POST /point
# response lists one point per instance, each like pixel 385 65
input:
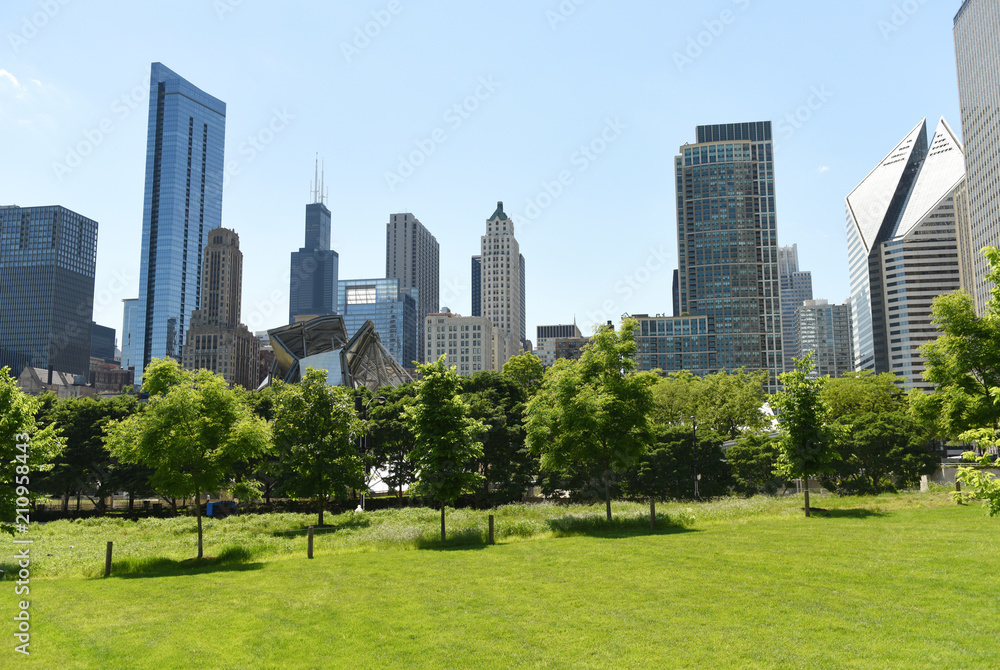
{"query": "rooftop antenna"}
pixel 322 181
pixel 314 187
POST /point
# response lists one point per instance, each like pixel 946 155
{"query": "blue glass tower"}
pixel 391 309
pixel 185 147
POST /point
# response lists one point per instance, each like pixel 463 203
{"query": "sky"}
pixel 568 111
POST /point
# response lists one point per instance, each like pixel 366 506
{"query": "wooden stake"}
pixel 652 514
pixel 310 541
pixel 491 529
pixel 107 561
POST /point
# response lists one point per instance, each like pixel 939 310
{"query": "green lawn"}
pixel 896 582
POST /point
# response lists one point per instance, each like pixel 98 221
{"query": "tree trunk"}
pixel 322 504
pixel 806 482
pixel 197 500
pixel 131 501
pixel 78 501
pixel 442 522
pixel 607 495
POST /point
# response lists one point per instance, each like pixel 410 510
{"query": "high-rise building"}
pixel 728 245
pixel 391 309
pixel 312 289
pixel 477 276
pixel 977 50
pixel 131 326
pixel 824 330
pixel 796 288
pixel 102 342
pixel 185 147
pixel 468 342
pixel 545 340
pixel 902 250
pixel 217 341
pixel 412 256
pixel 501 289
pixel 673 344
pixel 47 260
pixel 524 323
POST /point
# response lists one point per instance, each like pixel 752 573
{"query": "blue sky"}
pixel 570 112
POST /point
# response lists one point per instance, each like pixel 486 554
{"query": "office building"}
pixel 501 287
pixel 102 343
pixel 523 332
pixel 217 341
pixel 47 260
pixel 477 275
pixel 469 343
pixel 185 147
pixel 903 251
pixel 824 330
pixel 315 266
pixel 412 256
pixel 570 348
pixel 977 50
pixel 728 247
pixel 545 340
pixel 796 288
pixel 131 325
pixel 673 344
pixel 393 311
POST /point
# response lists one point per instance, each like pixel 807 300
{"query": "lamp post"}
pixel 694 437
pixel 363 438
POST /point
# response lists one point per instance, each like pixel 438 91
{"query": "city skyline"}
pixel 511 130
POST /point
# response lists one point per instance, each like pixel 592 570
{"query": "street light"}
pixel 694 436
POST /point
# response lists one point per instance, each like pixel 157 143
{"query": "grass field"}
pixel 903 581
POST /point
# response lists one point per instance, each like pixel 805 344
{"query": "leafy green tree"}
pixel 25 451
pixel 594 411
pixel 983 485
pixel 315 430
pixel 753 461
pixel 859 393
pixel 806 442
pixel 525 370
pixel 878 452
pixel 498 401
pixel 730 403
pixel 667 471
pixel 447 437
pixel 390 439
pixel 193 434
pixel 676 399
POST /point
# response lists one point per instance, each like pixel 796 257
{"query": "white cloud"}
pixel 823 168
pixel 4 74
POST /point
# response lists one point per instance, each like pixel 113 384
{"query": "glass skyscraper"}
pixel 185 146
pixel 314 268
pixel 412 255
pixel 47 259
pixel 393 311
pixel 728 245
pixel 477 281
pixel 977 51
pixel 796 288
pixel 903 251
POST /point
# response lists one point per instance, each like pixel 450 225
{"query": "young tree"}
pixel 753 460
pixel 390 439
pixel 316 429
pixel 447 443
pixel 594 411
pixel 193 434
pixel 806 444
pixel 667 471
pixel 25 450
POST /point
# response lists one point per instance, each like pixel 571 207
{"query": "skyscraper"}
pixel 412 256
pixel 796 287
pixel 728 244
pixel 501 288
pixel 47 259
pixel 217 341
pixel 825 331
pixel 131 326
pixel 977 50
pixel 185 147
pixel 315 267
pixel 903 251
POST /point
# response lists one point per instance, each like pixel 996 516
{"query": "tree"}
pixel 667 471
pixel 594 412
pixel 498 401
pixel 730 403
pixel 315 431
pixel 984 485
pixel 525 370
pixel 25 450
pixel 858 393
pixel 806 444
pixel 390 439
pixel 193 434
pixel 753 460
pixel 447 442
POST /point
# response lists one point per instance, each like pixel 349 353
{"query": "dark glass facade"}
pixel 675 344
pixel 477 282
pixel 102 343
pixel 315 267
pixel 182 204
pixel 47 260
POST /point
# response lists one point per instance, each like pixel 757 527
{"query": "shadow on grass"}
pixel 847 513
pixel 617 528
pixel 357 522
pixel 459 540
pixel 231 559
